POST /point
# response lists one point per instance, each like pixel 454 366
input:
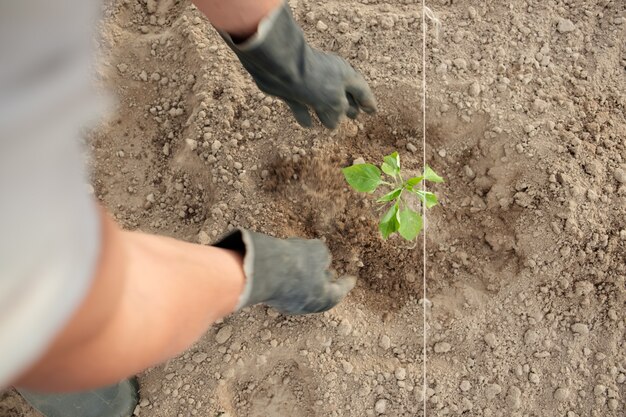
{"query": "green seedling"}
pixel 399 217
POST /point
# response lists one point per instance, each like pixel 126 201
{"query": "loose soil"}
pixel 525 269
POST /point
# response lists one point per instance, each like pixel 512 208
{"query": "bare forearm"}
pixel 172 291
pixel 236 17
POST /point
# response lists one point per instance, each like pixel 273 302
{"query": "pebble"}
pixel 565 26
pixel 204 238
pixel 474 89
pixel 513 398
pixel 400 374
pixel 460 63
pixel 410 147
pixel 344 328
pixel 223 334
pixel 580 328
pixel 321 26
pixel 491 340
pixel 199 357
pixel 193 144
pixel 347 367
pixel 465 385
pixel 381 406
pixel 216 145
pixel 442 347
pixel 561 394
pixel 620 175
pixel 492 390
pixel 358 161
pixel 384 342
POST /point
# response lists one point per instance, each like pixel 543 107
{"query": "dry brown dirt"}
pixel 526 286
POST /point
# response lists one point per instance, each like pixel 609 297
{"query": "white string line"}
pixel 424 386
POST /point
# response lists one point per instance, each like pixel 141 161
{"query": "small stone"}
pixel 387 22
pixel 381 406
pixel 199 357
pixel 565 26
pixel 620 175
pixel 193 144
pixel 321 26
pixel 344 328
pixel 474 89
pixel 400 374
pixel 534 378
pixel 491 340
pixel 540 105
pixel 599 390
pixel 216 145
pixel 492 391
pixel 460 63
pixel 513 398
pixel 166 149
pixel 471 12
pixel 223 334
pixel 580 328
pixel 170 376
pixel 358 161
pixel 411 148
pixel 204 238
pixel 465 385
pixel 122 68
pixel 384 342
pixel 441 68
pixel 347 367
pixel 442 347
pixel 561 394
pixel 143 76
pixel 238 165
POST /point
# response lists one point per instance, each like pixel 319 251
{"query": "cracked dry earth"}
pixel 525 118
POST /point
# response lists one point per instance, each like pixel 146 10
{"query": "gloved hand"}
pixel 284 65
pixel 290 275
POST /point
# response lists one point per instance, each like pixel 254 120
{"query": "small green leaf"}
pixel 427 198
pixel 389 222
pixel 412 182
pixel 390 196
pixel 363 177
pixel 430 175
pixel 391 164
pixel 410 224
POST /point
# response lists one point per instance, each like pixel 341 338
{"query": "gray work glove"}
pixel 290 275
pixel 284 65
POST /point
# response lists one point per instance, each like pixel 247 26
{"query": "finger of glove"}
pixel 330 115
pixel 337 289
pixel 301 113
pixel 353 107
pixel 361 93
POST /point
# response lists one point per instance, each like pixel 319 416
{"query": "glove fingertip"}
pixel 342 286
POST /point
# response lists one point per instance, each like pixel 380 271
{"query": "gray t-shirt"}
pixel 49 225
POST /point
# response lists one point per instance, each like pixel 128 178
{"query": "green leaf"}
pixel 430 175
pixel 391 164
pixel 390 196
pixel 363 177
pixel 412 182
pixel 410 224
pixel 427 198
pixel 389 222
